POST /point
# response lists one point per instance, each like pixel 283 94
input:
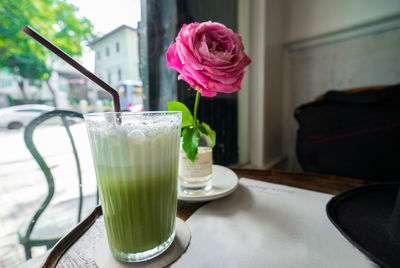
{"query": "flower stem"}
pixel 196 108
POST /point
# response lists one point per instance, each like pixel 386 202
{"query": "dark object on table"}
pixel 47 233
pixel 353 133
pixel 369 217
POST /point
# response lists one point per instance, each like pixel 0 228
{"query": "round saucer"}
pixel 224 182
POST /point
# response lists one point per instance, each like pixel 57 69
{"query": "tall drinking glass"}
pixel 136 160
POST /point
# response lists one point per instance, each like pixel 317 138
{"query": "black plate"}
pixel 363 216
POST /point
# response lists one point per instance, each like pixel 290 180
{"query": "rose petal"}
pixel 210 57
pixel 173 61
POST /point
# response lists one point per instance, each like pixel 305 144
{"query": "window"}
pixel 105 52
pixel 119 75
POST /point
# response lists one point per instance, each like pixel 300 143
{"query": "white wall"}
pixel 351 43
pixel 308 18
pixel 244 15
pixel 261 26
pixel 282 76
pixel 257 82
pixel 273 82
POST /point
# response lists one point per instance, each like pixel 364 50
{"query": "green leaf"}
pixel 187 117
pixel 202 129
pixel 184 131
pixel 206 130
pixel 190 142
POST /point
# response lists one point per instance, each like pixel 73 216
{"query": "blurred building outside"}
pixel 117 63
pixel 37 92
pixel 71 88
pixel 82 95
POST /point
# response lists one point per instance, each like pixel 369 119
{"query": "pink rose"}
pixel 210 57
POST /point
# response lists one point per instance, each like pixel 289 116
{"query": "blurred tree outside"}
pixel 54 19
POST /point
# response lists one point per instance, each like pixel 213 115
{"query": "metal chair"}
pixel 47 238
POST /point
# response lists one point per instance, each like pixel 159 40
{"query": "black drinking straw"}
pixel 53 48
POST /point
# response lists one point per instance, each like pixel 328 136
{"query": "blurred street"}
pixel 23 185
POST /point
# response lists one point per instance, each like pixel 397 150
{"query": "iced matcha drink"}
pixel 136 165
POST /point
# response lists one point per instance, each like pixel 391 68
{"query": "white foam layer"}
pixel 143 142
pixel 137 126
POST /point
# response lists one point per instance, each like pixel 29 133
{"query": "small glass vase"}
pixel 196 177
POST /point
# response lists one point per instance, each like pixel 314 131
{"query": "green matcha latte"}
pixel 136 165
